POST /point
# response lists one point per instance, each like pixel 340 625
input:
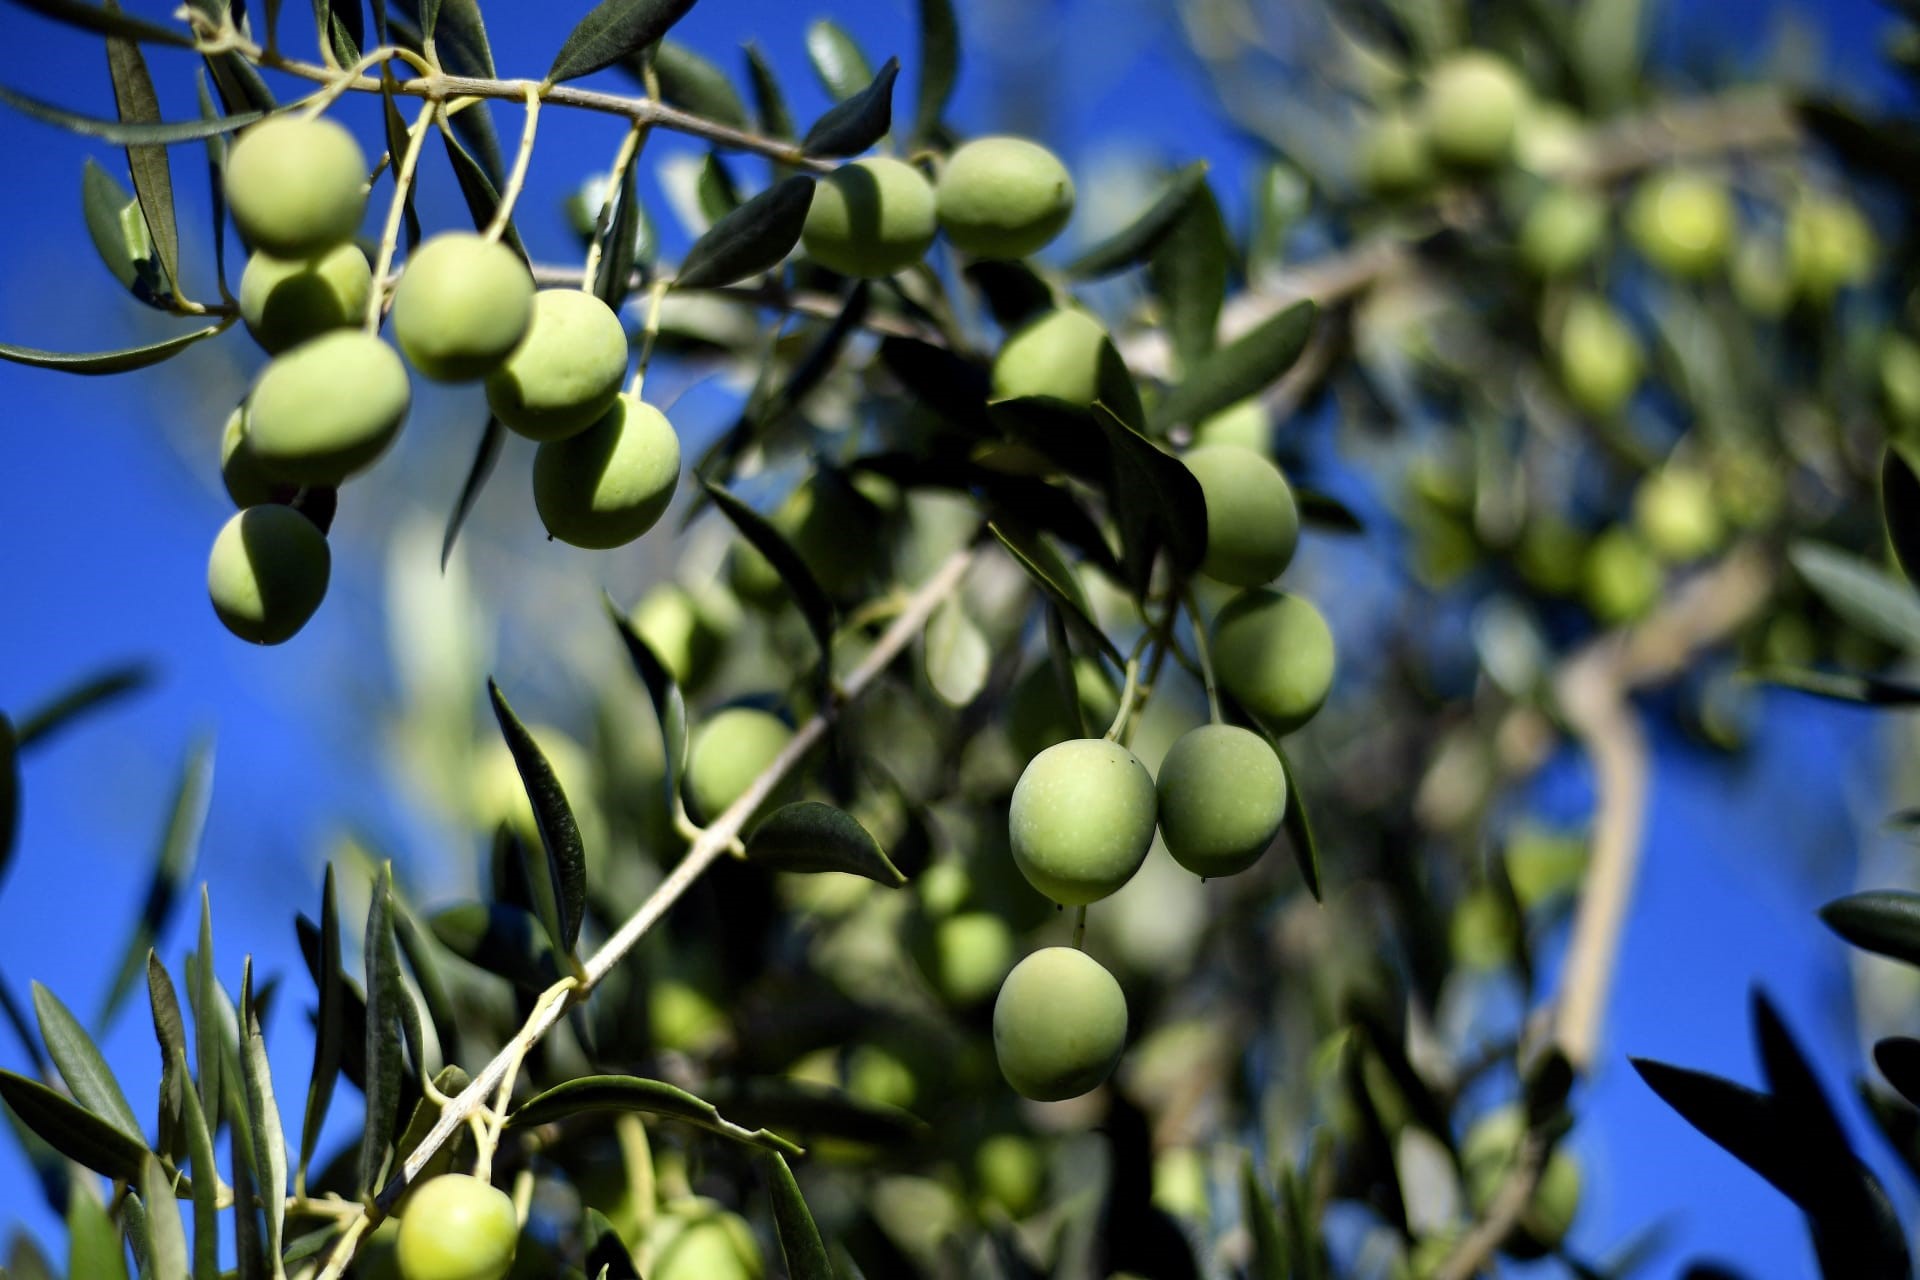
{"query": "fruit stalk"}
pixel 390 234
pixel 518 178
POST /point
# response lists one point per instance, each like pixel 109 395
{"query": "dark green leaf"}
pixel 1863 594
pixel 216 170
pixel 72 1130
pixel 172 863
pixel 1243 368
pixel 769 102
pixel 250 1249
pixel 689 81
pixel 206 1179
pixel 267 1139
pixel 566 857
pixel 612 30
pixel 852 126
pixel 1898 1058
pixel 137 103
pixel 419 951
pixel 1055 580
pixel 170 1031
pixel 1900 503
pixel 1299 828
pixel 342 29
pixel 9 792
pixel 669 705
pixel 95 362
pixel 800 1242
pixel 618 234
pixel 397 144
pixel 1737 1119
pixel 807 594
pixel 492 437
pixel 1157 502
pixel 389 1009
pixel 94 1248
pixel 958 656
pixel 458 35
pixel 120 236
pixel 329 1025
pixel 1841 686
pixel 607 1256
pixel 752 239
pixel 81 1064
pixel 1884 921
pixel 837 59
pixel 126 135
pixel 1324 511
pixel 502 939
pixel 166 1235
pixel 478 190
pixel 1189 272
pixel 1136 242
pixel 1256 1208
pixel 70 704
pixel 939 65
pixel 810 837
pixel 109 22
pixel 1014 293
pixel 589 1094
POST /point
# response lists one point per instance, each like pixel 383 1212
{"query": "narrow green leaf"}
pixel 1325 512
pixel 166 1234
pixel 342 29
pixel 483 201
pixel 418 950
pixel 385 1037
pixel 1737 1119
pixel 589 1094
pixel 958 656
pixel 1900 503
pixel 668 702
pixel 397 129
pixel 70 704
pixel 714 189
pixel 81 1064
pixel 111 22
pixel 1157 502
pixel 329 1025
pixel 607 1256
pixel 837 59
pixel 126 135
pixel 1244 367
pixel 612 30
pixel 492 438
pixel 618 233
pixel 458 35
pixel 137 103
pixel 807 593
pixel 1189 272
pixel 203 997
pixel 1263 1224
pixel 852 126
pixel 170 1031
pixel 216 165
pixel 1841 686
pixel 501 939
pixel 173 862
pixel 1056 582
pixel 821 1110
pixel 1883 921
pixel 249 1247
pixel 72 1130
pixel 1299 827
pixel 94 1249
pixel 939 66
pixel 97 362
pixel 120 235
pixel 1863 594
pixel 1136 242
pixel 811 837
pixel 770 103
pixel 9 792
pixel 754 238
pixel 25 1261
pixel 206 1180
pixel 267 1139
pixel 793 1222
pixel 689 81
pixel 566 857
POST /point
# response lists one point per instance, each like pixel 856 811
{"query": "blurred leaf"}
pixel 172 864
pixel 1299 827
pixel 126 135
pixel 852 126
pixel 1256 1209
pixel 1897 1122
pixel 81 1065
pixel 1244 367
pixel 392 1024
pixel 752 239
pixel 1189 271
pixel 837 59
pixel 1841 686
pixel 592 1094
pixel 807 593
pixel 97 362
pixel 206 1178
pixel 800 1245
pixel 501 939
pixel 939 66
pixel 668 703
pixel 1886 149
pixel 1900 502
pixel 618 235
pixel 1156 501
pixel 811 837
pixel 202 994
pixel 1136 242
pixel 166 1236
pixel 136 102
pixel 1056 582
pixel 492 437
pixel 170 1032
pixel 1898 1058
pixel 70 704
pixel 941 382
pixel 1884 921
pixel 689 81
pixel 483 200
pixel 329 1025
pixel 559 833
pixel 268 1140
pixel 775 120
pixel 1013 291
pixel 1326 512
pixel 1864 594
pixel 607 1256
pixel 111 22
pixel 94 1249
pixel 612 30
pixel 1607 36
pixel 958 656
pixel 715 190
pixel 72 1130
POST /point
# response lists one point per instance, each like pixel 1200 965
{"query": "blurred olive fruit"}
pixel 1474 107
pixel 727 753
pixel 1245 424
pixel 1601 359
pixel 1552 140
pixel 285 301
pixel 610 483
pixel 1037 711
pixel 1898 366
pixel 670 620
pixel 1274 654
pixel 1483 931
pixel 1222 796
pixel 711 1245
pixel 1253 523
pixel 1675 511
pixel 1830 246
pixel 1682 221
pixel 567 371
pixel 683 1018
pixel 247 482
pixel 457 1227
pixel 296 187
pixel 1749 487
pixel 1393 155
pixel 1760 279
pixel 1624 578
pixel 1011 1171
pixel 1003 197
pixel 879 1076
pixel 462 305
pixel 1081 820
pixel 1062 355
pixel 965 956
pixel 1552 555
pixel 871 218
pixel 1487 1156
pixel 268 573
pixel 1563 230
pixel 328 408
pixel 1059 1025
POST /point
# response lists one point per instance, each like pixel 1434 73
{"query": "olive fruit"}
pixel 1830 246
pixel 296 187
pixel 1394 160
pixel 1601 359
pixel 247 481
pixel 268 573
pixel 1253 523
pixel 1676 513
pixel 1063 355
pixel 1563 230
pixel 1475 103
pixel 1059 1025
pixel 1222 796
pixel 611 483
pixel 871 218
pixel 1487 1155
pixel 1003 197
pixel 457 1227
pixel 1273 652
pixel 462 305
pixel 285 301
pixel 1682 221
pixel 965 956
pixel 712 1246
pixel 566 373
pixel 678 630
pixel 1623 577
pixel 1759 277
pixel 1081 820
pixel 1037 712
pixel 683 1018
pixel 1244 424
pixel 727 753
pixel 328 408
pixel 1012 1172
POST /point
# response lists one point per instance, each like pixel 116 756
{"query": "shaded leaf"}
pixel 392 1024
pixel 1244 367
pixel 1898 1058
pixel 939 65
pixel 559 832
pixel 137 103
pixel 770 104
pixel 1326 512
pixel 669 705
pixel 1056 582
pixel 1014 292
pixel 1884 921
pixel 1157 503
pixel 752 239
pixel 71 1129
pixel 1841 686
pixel 492 438
pixel 477 189
pixel 70 704
pixel 126 135
pixel 1135 242
pixel 111 22
pixel 329 1025
pixel 1864 594
pixel 800 1244
pixel 852 126
pixel 502 939
pixel 398 140
pixel 591 1094
pixel 172 863
pixel 714 189
pixel 1299 827
pixel 607 1256
pixel 617 232
pixel 267 1140
pixel 1189 271
pixel 1900 503
pixel 689 81
pixel 1256 1208
pixel 837 59
pixel 612 30
pixel 958 656
pixel 81 1064
pixel 97 362
pixel 807 593
pixel 809 836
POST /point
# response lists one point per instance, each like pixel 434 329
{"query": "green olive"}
pixel 871 218
pixel 1059 1025
pixel 727 753
pixel 328 408
pixel 285 301
pixel 1675 510
pixel 268 573
pixel 1601 359
pixel 1624 578
pixel 1003 197
pixel 247 481
pixel 1830 247
pixel 1037 712
pixel 461 307
pixel 1245 424
pixel 1253 523
pixel 565 375
pixel 1487 1155
pixel 457 1227
pixel 1682 221
pixel 1563 230
pixel 1222 797
pixel 965 956
pixel 679 631
pixel 1081 820
pixel 881 1076
pixel 1064 355
pixel 1475 104
pixel 683 1018
pixel 1273 652
pixel 1012 1173
pixel 1394 160
pixel 713 1246
pixel 611 483
pixel 296 187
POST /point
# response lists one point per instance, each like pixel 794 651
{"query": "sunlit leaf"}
pixel 1244 367
pixel 612 30
pixel 714 189
pixel 137 103
pixel 591 1094
pixel 852 126
pixel 120 236
pixel 81 1064
pixel 166 1235
pixel 553 815
pixel 689 81
pixel 94 1247
pixel 72 1130
pixel 97 362
pixel 837 59
pixel 618 234
pixel 203 996
pixel 752 239
pixel 1862 593
pixel 800 1242
pixel 268 1140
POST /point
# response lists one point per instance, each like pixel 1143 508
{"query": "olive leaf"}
pixel 206 1179
pixel 800 1243
pixel 690 81
pixel 1189 271
pixel 1841 686
pixel 1157 501
pixel 120 236
pixel 618 234
pixel 165 1235
pixel 170 1032
pixel 1883 921
pixel 1299 827
pixel 957 654
pixel 1263 1222
pixel 136 102
pixel 850 127
pixel 566 887
pixel 477 189
pixel 669 705
pixel 110 22
pixel 127 135
pixel 807 593
pixel 81 1064
pixel 266 1139
pixel 329 1025
pixel 1900 503
pixel 770 104
pixel 392 1023
pixel 612 30
pixel 100 362
pixel 715 190
pixel 1242 368
pixel 1135 243
pixel 71 1129
pixel 754 238
pixel 69 705
pixel 202 997
pixel 1862 593
pixel 1056 581
pixel 590 1094
pixel 502 939
pixel 837 59
pixel 492 438
pixel 94 1247
pixel 809 836
pixel 939 65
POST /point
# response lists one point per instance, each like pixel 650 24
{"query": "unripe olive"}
pixel 1059 1025
pixel 1063 355
pixel 1563 230
pixel 462 305
pixel 1624 578
pixel 714 1246
pixel 1081 820
pixel 296 187
pixel 1682 221
pixel 1222 796
pixel 965 956
pixel 1474 105
pixel 268 573
pixel 683 1018
pixel 727 753
pixel 1037 712
pixel 871 218
pixel 880 1076
pixel 328 408
pixel 565 375
pixel 457 1227
pixel 1253 523
pixel 610 483
pixel 1552 140
pixel 1394 159
pixel 285 301
pixel 1245 424
pixel 1675 510
pixel 1830 246
pixel 247 481
pixel 1273 652
pixel 670 620
pixel 1012 1173
pixel 1487 1155
pixel 1003 197
pixel 1601 359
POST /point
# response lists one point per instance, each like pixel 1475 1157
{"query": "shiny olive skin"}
pixel 268 573
pixel 872 218
pixel 462 305
pixel 457 1227
pixel 1274 654
pixel 566 373
pixel 1223 795
pixel 1081 820
pixel 1003 197
pixel 1253 522
pixel 327 409
pixel 1059 1025
pixel 296 187
pixel 612 482
pixel 285 301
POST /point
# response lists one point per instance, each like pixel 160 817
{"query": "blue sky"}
pixel 109 496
